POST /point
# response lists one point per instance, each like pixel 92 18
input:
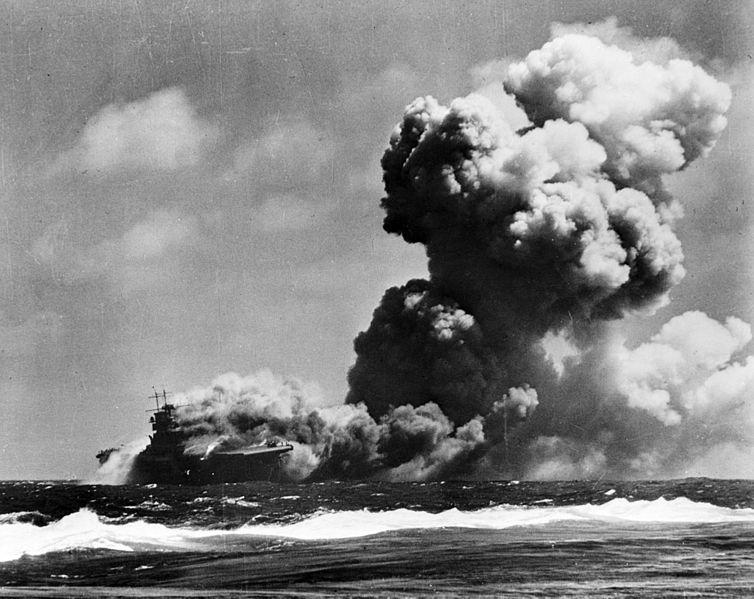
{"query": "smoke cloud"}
pixel 650 118
pixel 423 348
pixel 537 238
pixel 342 441
pixel 506 362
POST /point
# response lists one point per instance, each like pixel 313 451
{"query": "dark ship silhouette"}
pixel 164 460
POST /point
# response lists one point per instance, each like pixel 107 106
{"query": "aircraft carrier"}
pixel 165 460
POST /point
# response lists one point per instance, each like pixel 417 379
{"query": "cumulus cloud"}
pixel 286 174
pixel 161 132
pixel 292 154
pixel 159 233
pixel 138 258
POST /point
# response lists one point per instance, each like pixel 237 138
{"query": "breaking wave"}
pixel 86 530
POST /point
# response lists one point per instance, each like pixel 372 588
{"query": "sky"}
pixel 192 188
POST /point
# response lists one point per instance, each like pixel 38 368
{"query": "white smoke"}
pixel 670 376
pixel 115 470
pixel 651 118
pixel 342 441
pixel 538 236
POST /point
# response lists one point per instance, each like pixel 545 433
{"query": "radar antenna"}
pixel 157 396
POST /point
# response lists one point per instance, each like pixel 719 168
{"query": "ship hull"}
pixel 181 469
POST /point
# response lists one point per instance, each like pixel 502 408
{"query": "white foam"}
pixel 85 529
pixel 156 506
pixel 350 524
pixel 13 517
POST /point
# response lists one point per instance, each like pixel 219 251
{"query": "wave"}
pixel 86 530
pixel 34 517
pixel 155 506
pixel 349 524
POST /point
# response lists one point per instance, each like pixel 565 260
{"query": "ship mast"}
pixel 157 396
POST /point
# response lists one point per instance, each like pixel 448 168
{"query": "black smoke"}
pixel 537 238
pixel 505 362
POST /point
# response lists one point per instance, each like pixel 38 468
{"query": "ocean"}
pixel 681 538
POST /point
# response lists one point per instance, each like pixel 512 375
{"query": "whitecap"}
pixel 156 506
pixel 85 530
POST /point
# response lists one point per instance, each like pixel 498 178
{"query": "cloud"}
pixel 283 179
pixel 161 132
pixel 157 234
pixel 135 260
pixel 293 154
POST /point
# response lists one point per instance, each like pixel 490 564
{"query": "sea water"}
pixel 688 538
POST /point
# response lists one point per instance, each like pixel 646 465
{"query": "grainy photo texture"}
pixel 376 299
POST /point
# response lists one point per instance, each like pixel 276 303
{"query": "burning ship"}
pixel 165 459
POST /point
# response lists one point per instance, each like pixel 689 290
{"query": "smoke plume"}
pixel 342 441
pixel 537 238
pixel 505 362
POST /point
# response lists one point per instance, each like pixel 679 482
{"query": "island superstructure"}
pixel 165 459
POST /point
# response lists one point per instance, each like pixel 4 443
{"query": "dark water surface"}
pixel 690 538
